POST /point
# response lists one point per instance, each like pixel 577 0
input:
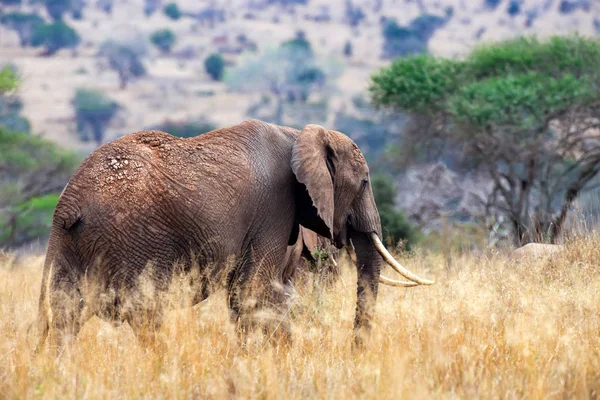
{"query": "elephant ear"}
pixel 312 165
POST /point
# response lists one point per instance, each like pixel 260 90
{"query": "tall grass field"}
pixel 491 327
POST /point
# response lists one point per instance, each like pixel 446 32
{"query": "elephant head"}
pixel 337 202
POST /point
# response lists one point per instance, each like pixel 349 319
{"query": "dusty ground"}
pixel 490 328
pixel 174 87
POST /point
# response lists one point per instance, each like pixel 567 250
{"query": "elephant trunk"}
pixel 368 266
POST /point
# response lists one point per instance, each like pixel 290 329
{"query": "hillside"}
pixel 178 88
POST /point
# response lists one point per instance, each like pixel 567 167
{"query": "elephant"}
pixel 221 208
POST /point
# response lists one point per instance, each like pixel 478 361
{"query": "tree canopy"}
pixel 522 109
pixel 54 36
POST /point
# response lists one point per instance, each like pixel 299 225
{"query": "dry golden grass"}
pixel 490 328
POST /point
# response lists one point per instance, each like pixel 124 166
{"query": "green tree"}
pixel 32 174
pixel 523 111
pixel 22 23
pixel 163 39
pixel 11 105
pixel 93 113
pixel 214 65
pixel 172 11
pixel 8 80
pixel 54 36
pixel 125 59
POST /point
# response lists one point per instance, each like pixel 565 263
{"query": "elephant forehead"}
pixel 346 145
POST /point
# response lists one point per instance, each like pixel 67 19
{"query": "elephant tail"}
pixel 44 318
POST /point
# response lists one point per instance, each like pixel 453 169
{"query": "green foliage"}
pixel 56 8
pixel 8 79
pixel 93 112
pixel 54 36
pixel 518 82
pixel 299 44
pixel 32 174
pixel 524 99
pixel 417 83
pixel 163 39
pixel 172 11
pixel 22 23
pixel 514 8
pixel 394 224
pixel 11 105
pixel 186 129
pixel 214 65
pixel 518 109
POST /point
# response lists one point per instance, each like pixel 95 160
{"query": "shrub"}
pixel 93 113
pixel 54 36
pixel 32 174
pixel 214 65
pixel 514 8
pixel 172 11
pixel 8 79
pixel 163 39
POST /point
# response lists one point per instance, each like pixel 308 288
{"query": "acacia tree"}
pixel 524 111
pixel 93 113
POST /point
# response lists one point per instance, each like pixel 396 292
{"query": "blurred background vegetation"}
pixel 480 128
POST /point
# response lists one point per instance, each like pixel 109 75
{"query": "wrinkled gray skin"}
pixel 143 203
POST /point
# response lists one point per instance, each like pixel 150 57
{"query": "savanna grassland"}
pixel 492 327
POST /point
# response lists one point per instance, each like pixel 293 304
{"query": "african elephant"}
pixel 221 207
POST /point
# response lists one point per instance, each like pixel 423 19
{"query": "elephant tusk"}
pixel 335 264
pixel 391 282
pixel 382 279
pixel 395 264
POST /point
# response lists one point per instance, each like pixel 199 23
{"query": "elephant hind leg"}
pixel 65 315
pixel 260 308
